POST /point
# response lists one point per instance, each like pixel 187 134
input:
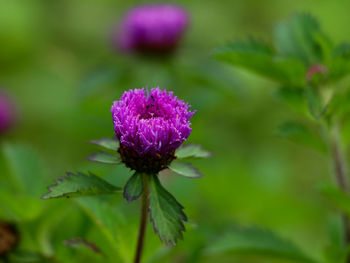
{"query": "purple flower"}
pixel 152 28
pixel 7 113
pixel 150 126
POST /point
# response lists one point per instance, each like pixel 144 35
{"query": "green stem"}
pixel 143 221
pixel 340 170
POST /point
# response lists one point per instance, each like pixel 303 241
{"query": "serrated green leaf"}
pixel 261 59
pixel 302 37
pixel 337 197
pixel 191 150
pixel 104 157
pixel 107 143
pixel 134 187
pixel 166 213
pixel 256 241
pixel 299 133
pixel 185 169
pixel 80 184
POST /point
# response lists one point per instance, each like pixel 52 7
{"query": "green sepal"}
pixel 134 187
pixel 104 157
pixel 166 214
pixel 107 143
pixel 80 184
pixel 184 169
pixel 191 150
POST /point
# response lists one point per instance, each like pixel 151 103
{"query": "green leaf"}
pixel 255 241
pixel 337 197
pixel 302 37
pixel 20 256
pixel 134 187
pixel 19 207
pixel 23 170
pixel 339 104
pixel 184 169
pixel 299 133
pixel 342 50
pixel 261 59
pixel 191 150
pixel 81 243
pixel 111 221
pixel 335 254
pixel 102 78
pixel 108 143
pixel 22 178
pixel 314 101
pixel 293 97
pixel 166 213
pixel 340 63
pixel 80 184
pixel 104 157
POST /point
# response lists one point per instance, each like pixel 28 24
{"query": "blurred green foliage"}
pixel 57 61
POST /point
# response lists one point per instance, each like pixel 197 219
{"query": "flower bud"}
pixel 7 113
pixel 152 28
pixel 150 126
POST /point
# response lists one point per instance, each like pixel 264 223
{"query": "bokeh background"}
pixel 58 63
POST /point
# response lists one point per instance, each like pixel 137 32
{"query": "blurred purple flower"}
pixel 7 113
pixel 152 28
pixel 150 125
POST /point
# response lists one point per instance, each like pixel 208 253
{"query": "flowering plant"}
pixel 150 127
pixel 308 68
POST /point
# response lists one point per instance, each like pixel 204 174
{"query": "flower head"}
pixel 152 28
pixel 7 113
pixel 150 126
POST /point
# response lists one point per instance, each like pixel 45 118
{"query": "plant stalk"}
pixel 340 170
pixel 143 220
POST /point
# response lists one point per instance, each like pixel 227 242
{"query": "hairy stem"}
pixel 340 170
pixel 143 220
